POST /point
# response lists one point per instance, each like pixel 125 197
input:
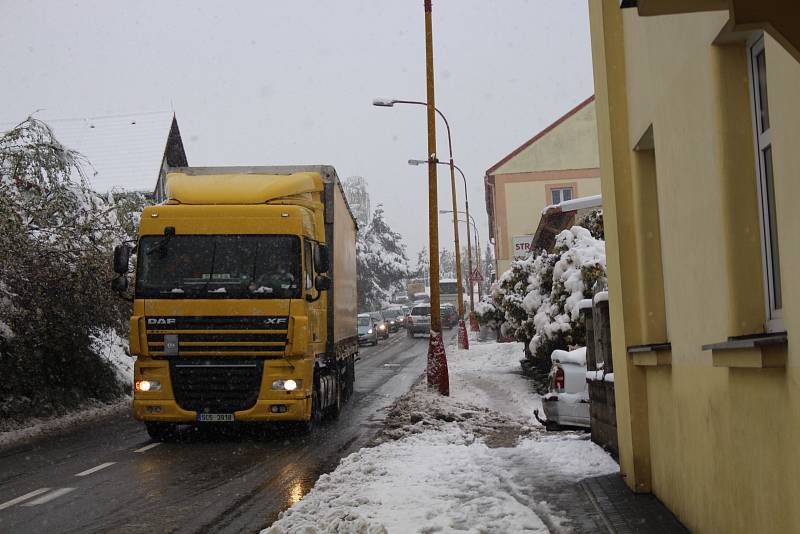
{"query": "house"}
pixel 698 122
pixel 126 151
pixel 557 164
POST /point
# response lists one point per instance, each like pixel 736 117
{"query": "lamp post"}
pixel 471 220
pixel 463 341
pixel 469 238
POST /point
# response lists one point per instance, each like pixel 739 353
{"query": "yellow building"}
pixel 698 127
pixel 559 163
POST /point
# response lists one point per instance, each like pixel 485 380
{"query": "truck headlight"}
pixel 147 385
pixel 287 385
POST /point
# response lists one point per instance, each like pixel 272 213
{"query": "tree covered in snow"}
pixel 580 262
pixel 56 238
pixel 381 263
pixel 539 295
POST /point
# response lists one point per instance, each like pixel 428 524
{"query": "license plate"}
pixel 215 417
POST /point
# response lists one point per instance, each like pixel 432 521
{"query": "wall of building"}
pixel 524 199
pixel 718 445
pixel 572 144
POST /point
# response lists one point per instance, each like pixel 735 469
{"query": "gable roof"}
pixel 125 150
pixel 539 135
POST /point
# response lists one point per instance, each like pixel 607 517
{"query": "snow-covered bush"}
pixel 581 262
pixel 487 314
pixel 56 238
pixel 539 295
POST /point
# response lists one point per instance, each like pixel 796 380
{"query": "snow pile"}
pixel 577 356
pixel 471 462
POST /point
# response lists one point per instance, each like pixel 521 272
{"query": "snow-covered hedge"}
pixel 540 295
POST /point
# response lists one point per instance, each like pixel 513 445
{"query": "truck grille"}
pixel 216 385
pixel 217 336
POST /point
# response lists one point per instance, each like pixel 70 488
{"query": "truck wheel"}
pixel 159 431
pixel 336 407
pixel 351 376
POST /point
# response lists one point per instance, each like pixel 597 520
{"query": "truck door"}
pixel 316 310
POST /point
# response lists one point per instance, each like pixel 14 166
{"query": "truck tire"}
pixel 351 376
pixel 159 431
pixel 336 408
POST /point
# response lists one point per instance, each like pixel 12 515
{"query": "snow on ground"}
pixel 32 428
pixel 476 461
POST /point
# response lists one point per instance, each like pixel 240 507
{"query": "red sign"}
pixel 476 276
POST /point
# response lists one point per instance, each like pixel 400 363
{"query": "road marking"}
pixel 12 502
pixel 391 365
pixel 55 494
pixel 148 447
pixel 95 469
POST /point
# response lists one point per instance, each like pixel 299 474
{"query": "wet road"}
pixel 108 476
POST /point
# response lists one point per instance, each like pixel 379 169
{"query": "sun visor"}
pixel 207 189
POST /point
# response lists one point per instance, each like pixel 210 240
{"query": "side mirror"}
pixel 119 284
pixel 322 283
pixel 122 256
pixel 321 259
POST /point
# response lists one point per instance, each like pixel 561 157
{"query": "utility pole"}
pixel 437 360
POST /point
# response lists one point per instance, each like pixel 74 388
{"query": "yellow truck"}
pixel 244 305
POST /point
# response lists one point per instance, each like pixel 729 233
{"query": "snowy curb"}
pixel 34 428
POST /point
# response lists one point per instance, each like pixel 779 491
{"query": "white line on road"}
pixel 95 469
pixel 148 447
pixel 55 494
pixel 12 502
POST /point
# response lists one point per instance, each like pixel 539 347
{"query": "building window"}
pixel 560 194
pixel 766 188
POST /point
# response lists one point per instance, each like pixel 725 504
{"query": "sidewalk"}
pixel 476 461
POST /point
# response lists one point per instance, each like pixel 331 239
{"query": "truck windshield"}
pixel 218 266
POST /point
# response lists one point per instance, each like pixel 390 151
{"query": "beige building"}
pixel 559 163
pixel 698 122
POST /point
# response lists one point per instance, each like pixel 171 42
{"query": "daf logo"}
pixel 276 320
pixel 160 321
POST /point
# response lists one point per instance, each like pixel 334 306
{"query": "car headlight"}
pixel 147 385
pixel 286 385
pixel 369 331
pixel 382 327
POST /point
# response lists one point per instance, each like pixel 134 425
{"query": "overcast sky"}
pixel 276 82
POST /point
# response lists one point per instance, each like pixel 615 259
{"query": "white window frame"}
pixel 762 141
pixel 560 193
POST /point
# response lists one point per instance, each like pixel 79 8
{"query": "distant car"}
pixel 449 315
pixel 394 318
pixel 367 332
pixel 567 403
pixel 419 320
pixel 421 297
pixel 381 324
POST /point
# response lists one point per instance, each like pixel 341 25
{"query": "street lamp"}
pixel 390 102
pixel 471 220
pixel 469 238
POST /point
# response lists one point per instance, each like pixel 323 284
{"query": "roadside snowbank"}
pixel 460 463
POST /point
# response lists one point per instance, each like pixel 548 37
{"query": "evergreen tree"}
pixel 382 264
